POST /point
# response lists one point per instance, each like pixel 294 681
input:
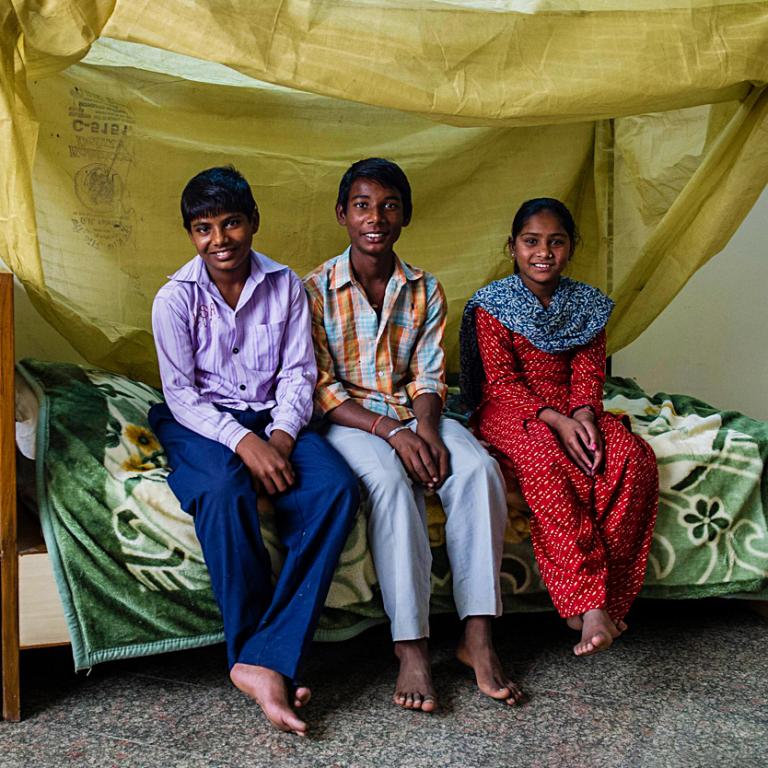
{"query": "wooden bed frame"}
pixel 31 615
pixel 9 559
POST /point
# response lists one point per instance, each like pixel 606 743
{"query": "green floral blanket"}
pixel 132 578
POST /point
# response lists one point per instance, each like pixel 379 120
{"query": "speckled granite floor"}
pixel 687 686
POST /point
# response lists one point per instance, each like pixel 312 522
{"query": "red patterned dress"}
pixel 591 535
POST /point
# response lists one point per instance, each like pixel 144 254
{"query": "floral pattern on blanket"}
pixel 157 538
pixel 132 576
pixel 712 500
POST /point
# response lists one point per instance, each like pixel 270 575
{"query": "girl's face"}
pixel 541 250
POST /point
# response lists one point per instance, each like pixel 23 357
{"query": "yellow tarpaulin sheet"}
pixel 649 119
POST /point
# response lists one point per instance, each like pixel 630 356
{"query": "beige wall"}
pixel 707 343
pixel 710 341
pixel 34 337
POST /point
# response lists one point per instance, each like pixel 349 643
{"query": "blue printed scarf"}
pixel 576 313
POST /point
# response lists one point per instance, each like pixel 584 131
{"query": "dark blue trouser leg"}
pixel 264 625
pixel 313 520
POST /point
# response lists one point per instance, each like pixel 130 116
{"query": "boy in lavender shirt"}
pixel 232 331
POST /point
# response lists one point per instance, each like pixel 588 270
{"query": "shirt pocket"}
pixel 265 340
pixel 402 340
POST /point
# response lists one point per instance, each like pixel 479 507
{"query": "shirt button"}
pixel 242 386
pixel 235 351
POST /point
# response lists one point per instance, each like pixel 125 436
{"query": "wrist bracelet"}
pixel 393 432
pixel 376 423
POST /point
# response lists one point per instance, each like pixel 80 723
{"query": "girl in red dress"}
pixel 533 366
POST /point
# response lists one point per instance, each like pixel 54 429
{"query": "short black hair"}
pixel 216 190
pixel 555 207
pixel 382 171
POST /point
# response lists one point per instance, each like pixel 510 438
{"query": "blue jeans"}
pixel 266 625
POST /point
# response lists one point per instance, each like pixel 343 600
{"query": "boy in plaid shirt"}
pixel 378 326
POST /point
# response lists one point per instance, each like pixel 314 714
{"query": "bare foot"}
pixel 597 634
pixel 476 651
pixel 414 689
pixel 269 690
pixel 301 696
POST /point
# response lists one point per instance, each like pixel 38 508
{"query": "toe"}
pixel 499 687
pixel 515 692
pixel 429 704
pixel 601 640
pixel 285 719
pixel 583 649
pixel 295 724
pixel 500 693
pixel 301 696
pixel 512 693
pixel 518 695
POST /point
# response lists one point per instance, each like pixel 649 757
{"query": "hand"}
pixel 440 455
pixel 282 442
pixel 265 461
pixel 587 417
pixel 416 456
pixel 574 437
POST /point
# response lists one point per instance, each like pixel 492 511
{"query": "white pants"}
pixel 474 501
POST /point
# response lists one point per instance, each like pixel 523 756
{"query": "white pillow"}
pixel 27 408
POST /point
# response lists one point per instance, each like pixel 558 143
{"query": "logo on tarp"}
pixel 99 188
pixel 102 142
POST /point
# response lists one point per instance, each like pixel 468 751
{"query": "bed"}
pixel 117 571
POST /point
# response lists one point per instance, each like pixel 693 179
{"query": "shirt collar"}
pixel 341 273
pixel 194 271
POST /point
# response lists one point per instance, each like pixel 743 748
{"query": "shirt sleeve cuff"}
pixel 288 426
pixel 416 388
pixel 328 398
pixel 578 406
pixel 534 411
pixel 232 434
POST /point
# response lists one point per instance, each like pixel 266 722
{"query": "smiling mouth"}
pixel 375 236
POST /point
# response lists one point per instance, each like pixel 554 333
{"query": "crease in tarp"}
pixel 342 57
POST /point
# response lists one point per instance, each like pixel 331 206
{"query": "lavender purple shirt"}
pixel 258 355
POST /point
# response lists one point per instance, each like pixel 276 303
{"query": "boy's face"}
pixel 224 242
pixel 373 218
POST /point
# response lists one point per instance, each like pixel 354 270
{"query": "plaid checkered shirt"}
pixel 384 363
